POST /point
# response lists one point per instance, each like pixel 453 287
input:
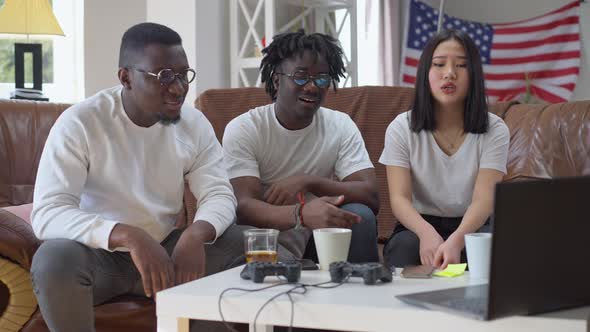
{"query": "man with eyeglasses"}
pixel 296 166
pixel 110 186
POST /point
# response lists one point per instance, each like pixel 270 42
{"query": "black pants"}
pixel 403 246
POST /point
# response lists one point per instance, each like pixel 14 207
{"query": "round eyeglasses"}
pixel 167 76
pixel 301 78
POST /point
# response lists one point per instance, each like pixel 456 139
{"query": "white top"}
pixel 442 185
pixel 98 169
pixel 257 145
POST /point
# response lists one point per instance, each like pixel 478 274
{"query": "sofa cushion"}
pixel 548 140
pixel 21 211
pixel 17 241
pixel 24 126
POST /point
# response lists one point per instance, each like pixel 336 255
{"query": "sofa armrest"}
pixel 17 240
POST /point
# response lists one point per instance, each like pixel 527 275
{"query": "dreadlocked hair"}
pixel 287 45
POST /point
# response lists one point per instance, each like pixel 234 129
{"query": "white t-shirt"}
pixel 442 185
pixel 256 144
pixel 98 168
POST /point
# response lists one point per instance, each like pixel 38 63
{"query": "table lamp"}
pixel 28 17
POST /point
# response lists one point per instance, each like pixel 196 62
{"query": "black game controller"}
pixel 258 270
pixel 370 272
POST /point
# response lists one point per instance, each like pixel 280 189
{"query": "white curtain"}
pixel 390 23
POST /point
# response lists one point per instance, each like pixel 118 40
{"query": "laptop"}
pixel 540 254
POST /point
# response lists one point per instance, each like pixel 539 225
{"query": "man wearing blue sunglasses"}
pixel 296 166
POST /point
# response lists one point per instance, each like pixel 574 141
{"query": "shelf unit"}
pixel 252 21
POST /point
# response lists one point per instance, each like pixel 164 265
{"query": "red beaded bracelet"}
pixel 301 198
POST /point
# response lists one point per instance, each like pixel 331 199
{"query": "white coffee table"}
pixel 350 307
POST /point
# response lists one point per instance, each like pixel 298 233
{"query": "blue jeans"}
pixel 363 243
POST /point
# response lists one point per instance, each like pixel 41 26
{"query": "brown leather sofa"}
pixel 546 141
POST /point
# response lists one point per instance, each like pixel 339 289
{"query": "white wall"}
pixel 497 11
pixel 105 21
pixel 202 24
pixel 212 45
pixel 178 15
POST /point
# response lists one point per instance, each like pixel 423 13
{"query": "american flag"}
pixel 535 57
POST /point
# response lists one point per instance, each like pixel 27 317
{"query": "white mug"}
pixel 331 245
pixel 479 254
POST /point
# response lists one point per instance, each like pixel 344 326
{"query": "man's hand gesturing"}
pixel 324 212
pixel 284 192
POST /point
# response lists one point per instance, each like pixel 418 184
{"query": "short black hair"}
pixel 287 45
pixel 475 115
pixel 136 38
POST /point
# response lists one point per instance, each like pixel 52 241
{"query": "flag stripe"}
pixel 537 58
pixel 555 89
pixel 529 67
pixel 533 75
pixel 411 62
pixel 523 37
pixel 547 95
pixel 538 42
pixel 569 86
pixel 536 28
pixel 409 79
pixel 503 92
pixel 507 84
pixel 552 48
pixel 566 8
pixel 541 19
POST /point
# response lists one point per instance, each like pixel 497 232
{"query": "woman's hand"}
pixel 429 244
pixel 448 253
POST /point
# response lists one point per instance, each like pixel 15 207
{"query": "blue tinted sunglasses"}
pixel 301 78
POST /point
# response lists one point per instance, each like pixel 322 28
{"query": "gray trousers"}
pixel 70 278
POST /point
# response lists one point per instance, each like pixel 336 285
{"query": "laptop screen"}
pixel 540 248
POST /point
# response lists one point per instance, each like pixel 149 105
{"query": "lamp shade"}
pixel 29 17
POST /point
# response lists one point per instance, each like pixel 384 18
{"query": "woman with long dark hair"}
pixel 443 157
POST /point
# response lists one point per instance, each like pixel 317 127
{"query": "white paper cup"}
pixel 479 254
pixel 331 245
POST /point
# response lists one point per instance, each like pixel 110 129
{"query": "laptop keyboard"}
pixel 478 306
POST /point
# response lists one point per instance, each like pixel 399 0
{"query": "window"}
pixel 368 70
pixel 63 65
pixel 7 58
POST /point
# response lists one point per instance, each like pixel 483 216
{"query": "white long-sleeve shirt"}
pixel 98 169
